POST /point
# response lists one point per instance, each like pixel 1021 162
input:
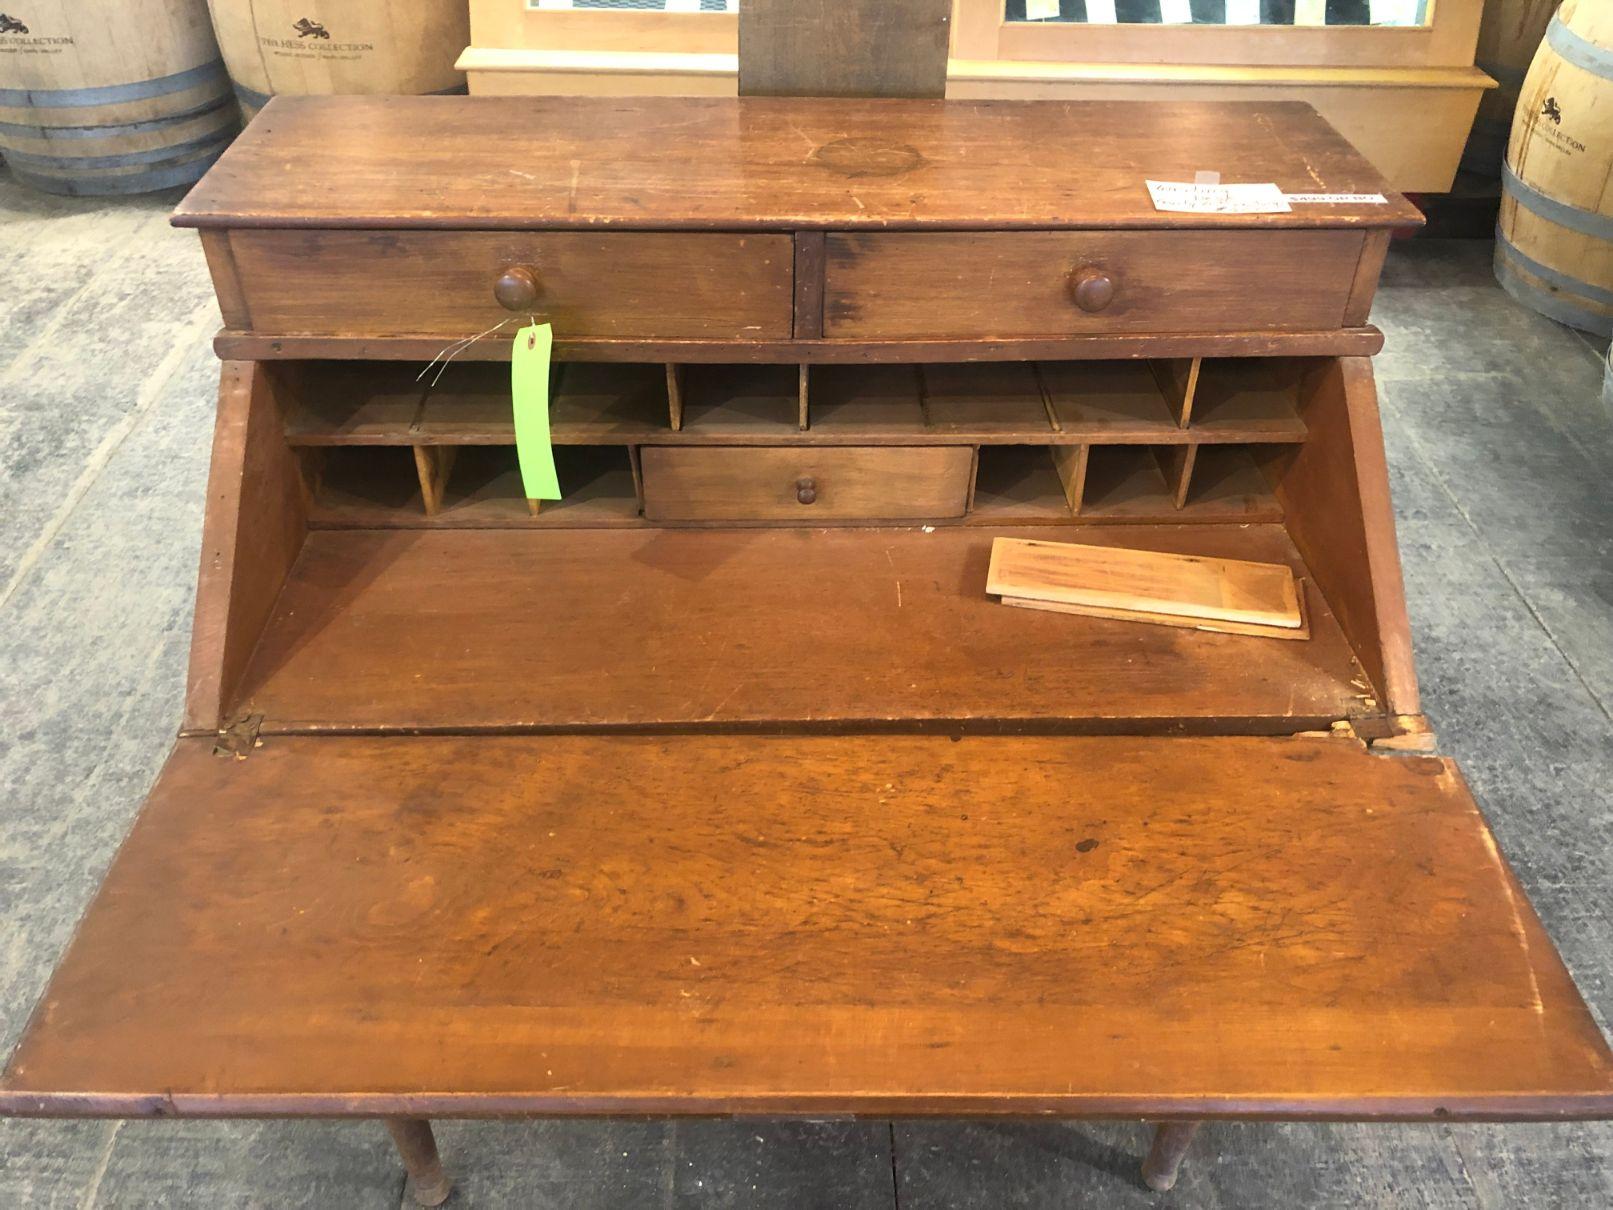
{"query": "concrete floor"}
pixel 1500 449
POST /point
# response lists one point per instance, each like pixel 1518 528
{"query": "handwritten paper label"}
pixel 1339 199
pixel 529 389
pixel 1200 198
pixel 1041 10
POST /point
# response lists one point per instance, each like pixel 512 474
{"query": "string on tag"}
pixel 452 351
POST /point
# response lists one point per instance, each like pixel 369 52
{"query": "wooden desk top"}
pixel 769 163
pixel 874 924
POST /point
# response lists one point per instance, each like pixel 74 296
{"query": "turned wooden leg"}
pixel 1165 1156
pixel 418 1149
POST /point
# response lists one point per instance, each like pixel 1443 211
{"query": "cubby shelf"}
pixel 1096 441
pixel 983 403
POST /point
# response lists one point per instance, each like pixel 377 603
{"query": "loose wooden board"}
pixel 1117 578
pixel 1303 631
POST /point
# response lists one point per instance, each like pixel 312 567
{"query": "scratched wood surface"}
pixel 949 285
pixel 769 162
pixel 884 924
pixel 793 627
pixel 638 284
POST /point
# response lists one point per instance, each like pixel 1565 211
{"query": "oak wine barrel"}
pixel 340 46
pixel 1509 35
pixel 109 96
pixel 1554 243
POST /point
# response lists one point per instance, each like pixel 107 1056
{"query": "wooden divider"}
pixel 1070 461
pixel 1176 464
pixel 1178 379
pixel 434 463
pixel 674 395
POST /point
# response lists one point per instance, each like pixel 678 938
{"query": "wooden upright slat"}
pixel 843 48
pixel 1178 379
pixel 1176 464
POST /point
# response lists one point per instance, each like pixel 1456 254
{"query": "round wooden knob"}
pixel 1092 289
pixel 806 491
pixel 517 289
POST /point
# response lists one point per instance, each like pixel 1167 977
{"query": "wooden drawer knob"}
pixel 517 289
pixel 806 491
pixel 1092 289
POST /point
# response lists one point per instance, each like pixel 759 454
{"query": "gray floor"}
pixel 1500 448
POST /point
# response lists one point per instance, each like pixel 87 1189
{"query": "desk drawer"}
pixel 803 484
pixel 631 284
pixel 1056 283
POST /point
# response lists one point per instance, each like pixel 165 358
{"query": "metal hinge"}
pixel 240 737
pixel 1411 734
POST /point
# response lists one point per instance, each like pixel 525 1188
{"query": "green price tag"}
pixel 529 388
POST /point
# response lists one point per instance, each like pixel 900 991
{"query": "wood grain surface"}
pixel 1177 927
pixel 1334 490
pixel 1003 285
pixel 255 522
pixel 667 285
pixel 801 628
pixel 773 163
pixel 843 48
pixel 1110 577
pixel 803 485
pixel 1333 342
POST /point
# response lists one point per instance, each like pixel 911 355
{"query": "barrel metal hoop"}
pixel 1581 52
pixel 1555 276
pixel 112 94
pixel 1553 306
pixel 113 131
pixel 1586 222
pixel 161 177
pixel 127 159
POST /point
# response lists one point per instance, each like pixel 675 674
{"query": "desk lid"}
pixel 771 163
pixel 882 924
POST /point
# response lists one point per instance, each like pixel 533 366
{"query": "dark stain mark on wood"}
pixel 867 157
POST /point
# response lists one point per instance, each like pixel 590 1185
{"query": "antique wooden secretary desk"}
pixel 721 786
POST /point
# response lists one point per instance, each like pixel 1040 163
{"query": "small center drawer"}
pixel 805 484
